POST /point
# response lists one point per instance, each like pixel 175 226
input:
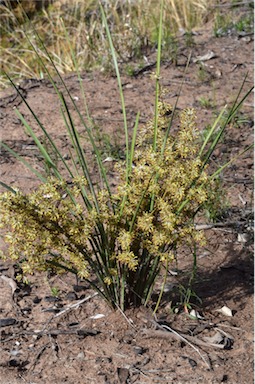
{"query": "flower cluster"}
pixel 47 228
pixel 165 191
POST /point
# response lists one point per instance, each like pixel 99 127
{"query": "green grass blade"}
pixel 156 111
pixel 10 189
pixel 212 130
pixel 77 72
pixel 175 107
pixel 236 106
pixel 41 148
pixel 32 169
pixel 97 153
pixel 158 77
pixel 123 106
pixel 48 137
pixel 132 148
pixel 220 169
pixel 162 288
pixel 80 153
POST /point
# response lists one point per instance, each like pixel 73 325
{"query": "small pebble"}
pixel 81 356
pixel 71 296
pixel 192 362
pixel 138 350
pixel 14 363
pixel 51 299
pixel 123 374
pixel 26 310
pixel 79 288
pixel 36 300
pixel 7 322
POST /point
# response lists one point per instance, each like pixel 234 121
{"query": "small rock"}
pixel 36 300
pixel 71 296
pixel 81 356
pixel 87 332
pixel 129 86
pixel 243 237
pixel 79 288
pixel 139 350
pixel 26 310
pixel 192 362
pixel 51 299
pixel 103 359
pixel 123 374
pixel 7 322
pixel 15 352
pixel 14 363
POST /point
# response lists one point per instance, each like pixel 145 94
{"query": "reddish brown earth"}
pixel 46 346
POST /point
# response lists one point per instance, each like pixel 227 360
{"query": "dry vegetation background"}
pixel 133 24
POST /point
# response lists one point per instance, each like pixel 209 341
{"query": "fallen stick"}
pixel 75 305
pixel 218 225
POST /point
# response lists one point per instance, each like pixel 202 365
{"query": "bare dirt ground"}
pixel 40 344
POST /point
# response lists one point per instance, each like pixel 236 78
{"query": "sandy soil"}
pixel 47 341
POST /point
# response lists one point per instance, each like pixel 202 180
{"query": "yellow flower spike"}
pixel 125 238
pixel 113 272
pixel 145 222
pixel 108 280
pixel 129 259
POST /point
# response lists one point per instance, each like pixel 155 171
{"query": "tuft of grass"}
pixel 202 74
pixel 55 291
pixel 206 102
pixel 187 299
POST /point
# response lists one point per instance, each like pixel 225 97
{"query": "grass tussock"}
pixel 133 26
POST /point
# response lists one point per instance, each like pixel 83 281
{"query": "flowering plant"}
pixel 117 240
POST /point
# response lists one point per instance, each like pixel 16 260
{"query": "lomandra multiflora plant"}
pixel 117 240
pixel 125 238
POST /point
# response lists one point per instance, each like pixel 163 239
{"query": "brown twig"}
pixel 39 354
pixel 165 332
pixel 75 305
pixel 218 225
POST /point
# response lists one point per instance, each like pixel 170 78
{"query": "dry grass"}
pixel 133 24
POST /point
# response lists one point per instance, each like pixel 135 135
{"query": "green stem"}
pixel 162 288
